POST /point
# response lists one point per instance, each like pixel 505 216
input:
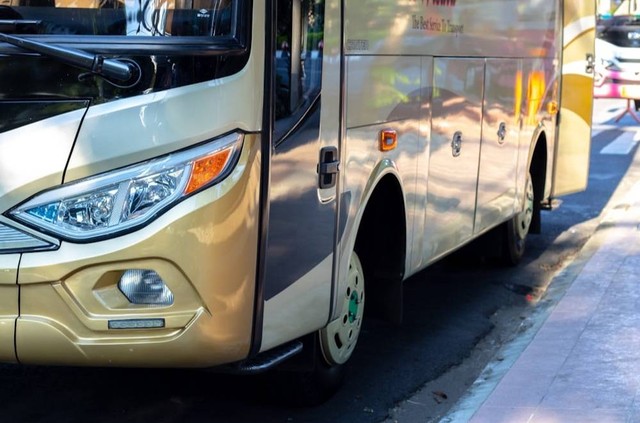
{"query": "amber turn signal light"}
pixel 207 169
pixel 388 139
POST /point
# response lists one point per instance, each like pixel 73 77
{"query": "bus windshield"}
pixel 190 18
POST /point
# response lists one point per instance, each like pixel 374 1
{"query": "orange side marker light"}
pixel 388 139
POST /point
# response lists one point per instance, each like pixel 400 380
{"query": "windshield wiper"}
pixel 110 69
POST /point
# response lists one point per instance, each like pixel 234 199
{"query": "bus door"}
pixel 571 168
pixel 303 176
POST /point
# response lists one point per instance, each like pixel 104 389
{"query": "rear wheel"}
pixel 517 228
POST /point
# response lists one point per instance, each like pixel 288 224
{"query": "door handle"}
pixel 328 167
pixel 502 132
pixel 456 144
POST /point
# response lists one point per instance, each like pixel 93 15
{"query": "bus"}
pixel 617 49
pixel 227 183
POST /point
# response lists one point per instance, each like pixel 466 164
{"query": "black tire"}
pixel 516 229
pixel 309 388
pixel 331 347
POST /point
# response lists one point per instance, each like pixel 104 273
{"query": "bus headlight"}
pixel 111 203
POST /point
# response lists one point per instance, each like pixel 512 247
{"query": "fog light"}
pixel 142 286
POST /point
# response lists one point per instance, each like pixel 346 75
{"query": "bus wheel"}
pixel 339 337
pixel 518 227
pixel 334 346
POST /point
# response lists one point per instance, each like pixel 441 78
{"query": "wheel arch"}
pixel 538 165
pixel 381 244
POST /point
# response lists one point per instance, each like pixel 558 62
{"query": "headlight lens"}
pixel 117 201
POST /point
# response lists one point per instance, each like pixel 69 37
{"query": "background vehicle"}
pixel 617 46
pixel 618 53
pixel 179 189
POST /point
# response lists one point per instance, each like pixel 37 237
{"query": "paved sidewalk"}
pixel 583 364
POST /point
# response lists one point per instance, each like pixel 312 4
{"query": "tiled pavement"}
pixel 583 365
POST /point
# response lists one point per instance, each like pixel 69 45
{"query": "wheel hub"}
pixel 339 338
pixel 523 220
pixel 354 303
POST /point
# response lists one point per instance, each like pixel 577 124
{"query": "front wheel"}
pixel 334 346
pixel 517 228
pixel 338 339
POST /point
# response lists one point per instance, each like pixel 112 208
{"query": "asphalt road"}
pixel 458 311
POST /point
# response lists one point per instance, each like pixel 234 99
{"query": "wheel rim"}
pixel 340 336
pixel 523 220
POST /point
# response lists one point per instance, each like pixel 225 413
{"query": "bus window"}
pixel 299 44
pixel 123 17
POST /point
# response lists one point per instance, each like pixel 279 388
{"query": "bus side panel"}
pixel 455 154
pixel 499 148
pixel 469 28
pixel 422 176
pixel 383 93
pixel 571 168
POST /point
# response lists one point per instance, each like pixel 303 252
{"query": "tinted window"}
pixel 121 17
pixel 299 51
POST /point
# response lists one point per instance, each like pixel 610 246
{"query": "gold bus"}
pixel 198 183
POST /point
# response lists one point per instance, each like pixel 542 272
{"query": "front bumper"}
pixel 616 84
pixel 204 249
